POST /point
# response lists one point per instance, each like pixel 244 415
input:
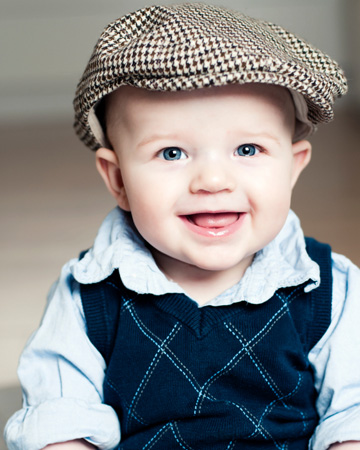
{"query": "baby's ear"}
pixel 107 165
pixel 301 158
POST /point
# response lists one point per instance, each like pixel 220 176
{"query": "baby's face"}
pixel 206 174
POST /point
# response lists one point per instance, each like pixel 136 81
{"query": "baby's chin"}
pixel 197 267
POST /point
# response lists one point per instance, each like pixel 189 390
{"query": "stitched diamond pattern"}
pixel 173 385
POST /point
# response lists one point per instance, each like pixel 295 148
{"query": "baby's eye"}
pixel 247 150
pixel 172 154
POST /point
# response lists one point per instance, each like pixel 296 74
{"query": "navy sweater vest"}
pixel 229 377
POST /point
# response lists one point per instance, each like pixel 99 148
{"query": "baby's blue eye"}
pixel 172 154
pixel 247 150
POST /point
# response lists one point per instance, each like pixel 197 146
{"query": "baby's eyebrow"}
pixel 253 137
pixel 157 137
pixel 267 136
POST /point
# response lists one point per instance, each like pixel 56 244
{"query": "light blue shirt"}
pixel 62 373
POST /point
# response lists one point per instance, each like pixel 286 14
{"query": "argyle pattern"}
pixel 228 377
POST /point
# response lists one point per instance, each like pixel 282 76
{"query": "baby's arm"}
pixel 336 362
pixel 62 376
pixel 351 445
pixel 71 445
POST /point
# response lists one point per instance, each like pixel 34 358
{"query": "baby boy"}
pixel 201 318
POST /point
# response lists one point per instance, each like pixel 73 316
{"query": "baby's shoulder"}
pixel 346 281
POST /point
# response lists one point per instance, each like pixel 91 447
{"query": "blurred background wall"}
pixel 52 200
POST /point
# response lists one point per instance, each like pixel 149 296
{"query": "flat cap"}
pixel 194 45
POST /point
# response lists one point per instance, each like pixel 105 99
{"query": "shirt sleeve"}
pixel 62 374
pixel 336 362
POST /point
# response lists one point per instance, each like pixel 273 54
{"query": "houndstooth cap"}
pixel 194 45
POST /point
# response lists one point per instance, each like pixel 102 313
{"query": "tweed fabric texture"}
pixel 191 46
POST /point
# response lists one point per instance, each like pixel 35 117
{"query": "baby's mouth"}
pixel 213 220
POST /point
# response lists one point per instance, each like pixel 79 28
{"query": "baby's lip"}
pixel 213 220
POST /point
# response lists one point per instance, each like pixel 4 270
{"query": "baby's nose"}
pixel 212 177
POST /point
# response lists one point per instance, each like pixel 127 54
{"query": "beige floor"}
pixel 52 202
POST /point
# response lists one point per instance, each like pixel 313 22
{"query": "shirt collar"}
pixel 284 262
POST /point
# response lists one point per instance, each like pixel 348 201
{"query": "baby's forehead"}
pixel 128 105
pixel 128 100
pixel 128 97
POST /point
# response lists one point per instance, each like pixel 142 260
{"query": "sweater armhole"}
pixel 321 297
pixel 101 313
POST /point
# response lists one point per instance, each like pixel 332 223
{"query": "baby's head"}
pixel 198 116
pixel 206 174
pixel 192 46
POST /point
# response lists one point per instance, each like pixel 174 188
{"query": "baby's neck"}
pixel 202 291
pixel 200 285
